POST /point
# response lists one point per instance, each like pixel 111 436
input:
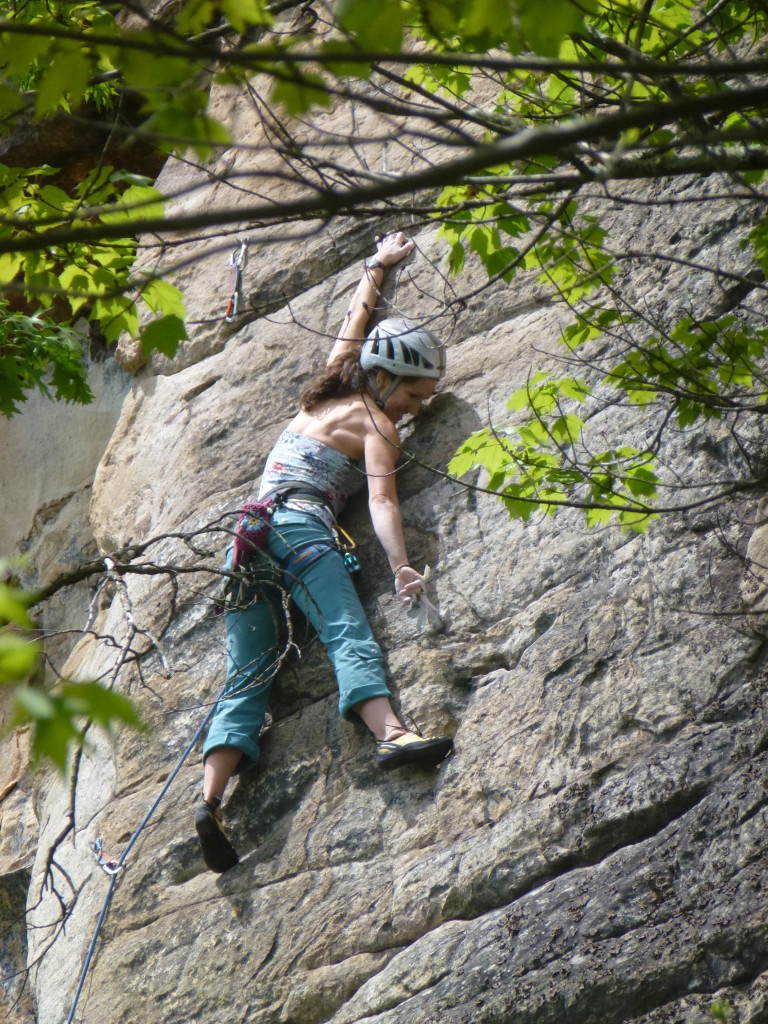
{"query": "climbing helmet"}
pixel 404 349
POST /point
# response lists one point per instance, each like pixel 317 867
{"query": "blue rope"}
pixel 127 850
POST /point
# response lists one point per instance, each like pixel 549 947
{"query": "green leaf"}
pixel 638 522
pixel 355 66
pixel 300 92
pixel 55 198
pixel 163 298
pixel 94 702
pixel 10 265
pixel 457 258
pixel 518 509
pixel 64 80
pixel 52 739
pixel 242 14
pixel 58 718
pixel 115 314
pixel 136 203
pixel 597 516
pixel 152 76
pixel 128 178
pixel 13 606
pixel 566 430
pixel 196 16
pixel 21 53
pixel 488 20
pixel 36 353
pixel 34 704
pixel 182 122
pixel 577 390
pixel 18 657
pixel 11 101
pixel 466 457
pixel 521 398
pixel 641 482
pixel 375 24
pixel 164 334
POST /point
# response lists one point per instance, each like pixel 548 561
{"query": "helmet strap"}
pixel 378 397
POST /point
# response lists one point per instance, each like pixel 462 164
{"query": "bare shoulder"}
pixel 353 425
pixel 375 424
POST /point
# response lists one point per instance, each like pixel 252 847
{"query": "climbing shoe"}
pixel 218 853
pixel 412 749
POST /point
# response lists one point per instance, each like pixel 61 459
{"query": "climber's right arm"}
pixel 391 249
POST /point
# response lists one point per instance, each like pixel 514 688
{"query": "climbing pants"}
pixel 324 593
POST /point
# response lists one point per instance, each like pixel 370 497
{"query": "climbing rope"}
pixel 116 866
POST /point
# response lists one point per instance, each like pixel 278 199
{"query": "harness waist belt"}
pixel 304 492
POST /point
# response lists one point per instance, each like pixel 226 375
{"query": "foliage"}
pixel 58 717
pixel 68 281
pixel 701 366
pixel 544 462
pixel 37 353
pixel 537 122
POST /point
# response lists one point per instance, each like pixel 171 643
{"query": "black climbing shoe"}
pixel 218 853
pixel 412 749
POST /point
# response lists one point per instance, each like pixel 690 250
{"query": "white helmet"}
pixel 403 349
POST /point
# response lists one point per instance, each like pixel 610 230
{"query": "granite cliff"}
pixel 594 851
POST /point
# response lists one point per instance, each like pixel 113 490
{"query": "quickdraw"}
pixel 237 261
pixel 347 547
pixel 109 865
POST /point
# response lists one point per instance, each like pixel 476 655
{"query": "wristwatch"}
pixel 373 262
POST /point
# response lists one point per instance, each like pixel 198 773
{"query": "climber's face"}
pixel 408 397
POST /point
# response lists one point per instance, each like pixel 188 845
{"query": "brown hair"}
pixel 344 376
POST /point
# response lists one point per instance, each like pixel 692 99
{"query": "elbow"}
pixel 377 502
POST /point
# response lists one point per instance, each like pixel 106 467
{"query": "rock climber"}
pixel 343 435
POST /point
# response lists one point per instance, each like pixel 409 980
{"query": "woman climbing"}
pixel 343 435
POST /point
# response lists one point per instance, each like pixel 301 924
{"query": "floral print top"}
pixel 296 459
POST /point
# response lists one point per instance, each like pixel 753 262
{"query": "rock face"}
pixel 594 851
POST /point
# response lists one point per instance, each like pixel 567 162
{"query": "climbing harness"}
pixel 252 566
pixel 109 865
pixel 345 545
pixel 237 261
pixel 301 559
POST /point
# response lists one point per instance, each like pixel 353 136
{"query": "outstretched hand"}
pixel 408 583
pixel 393 247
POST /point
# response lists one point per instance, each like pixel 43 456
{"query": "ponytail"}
pixel 344 376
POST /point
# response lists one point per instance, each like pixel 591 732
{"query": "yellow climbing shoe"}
pixel 412 749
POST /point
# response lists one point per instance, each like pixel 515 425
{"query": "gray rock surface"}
pixel 594 851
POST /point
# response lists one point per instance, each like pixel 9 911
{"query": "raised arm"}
pixel 390 250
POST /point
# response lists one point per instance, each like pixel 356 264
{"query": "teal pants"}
pixel 325 594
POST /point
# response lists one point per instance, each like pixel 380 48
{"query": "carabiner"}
pixel 237 261
pixel 350 544
pixel 109 865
